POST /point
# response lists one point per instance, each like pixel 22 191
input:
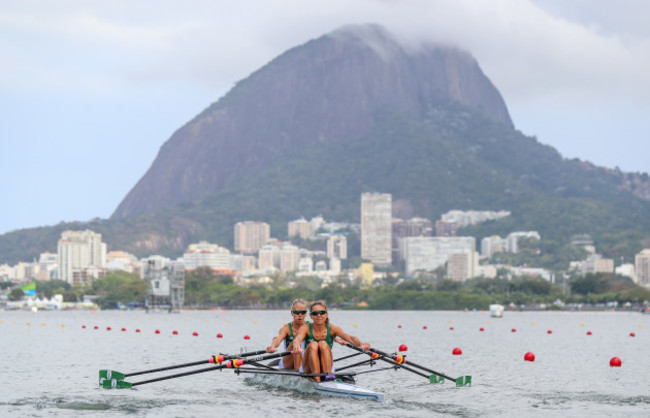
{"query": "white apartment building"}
pixel 300 228
pixel 512 241
pixel 79 250
pixel 205 254
pixel 430 253
pixel 376 228
pixel 289 258
pixel 337 246
pixel 121 260
pixel 471 217
pixel 492 245
pixel 250 236
pixel 595 263
pixel 642 267
pixel 306 264
pixel 269 257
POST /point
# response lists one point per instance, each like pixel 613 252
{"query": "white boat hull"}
pixel 331 388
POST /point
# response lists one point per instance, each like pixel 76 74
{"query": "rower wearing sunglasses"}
pixel 319 337
pixel 286 336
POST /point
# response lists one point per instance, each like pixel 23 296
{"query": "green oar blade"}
pixel 436 379
pixel 110 374
pixel 116 384
pixel 464 381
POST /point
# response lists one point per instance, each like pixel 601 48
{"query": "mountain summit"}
pixel 331 89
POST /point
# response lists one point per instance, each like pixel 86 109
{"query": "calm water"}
pixel 50 367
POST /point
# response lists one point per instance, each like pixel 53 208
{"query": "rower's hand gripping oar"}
pixel 436 377
pixel 398 361
pixel 112 375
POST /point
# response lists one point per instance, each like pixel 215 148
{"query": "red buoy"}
pixel 137 330
pixel 451 328
pixel 549 332
pixel 247 337
pixel 481 329
pixel 632 334
pixel 424 327
pixel 588 332
pixel 399 326
pixel 96 327
pixel 157 331
pixel 457 351
pixel 615 362
pixel 513 330
pixel 529 356
pixel 83 326
pixel 219 335
pixel 123 329
pixel 403 347
pixel 174 332
pixel 196 334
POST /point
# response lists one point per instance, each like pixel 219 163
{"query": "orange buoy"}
pixel 219 335
pixel 403 347
pixel 529 356
pixel 615 362
pixel 457 351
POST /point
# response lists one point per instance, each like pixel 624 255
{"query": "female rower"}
pixel 318 338
pixel 286 335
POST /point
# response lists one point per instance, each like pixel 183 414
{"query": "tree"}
pixel 16 295
pixel 119 288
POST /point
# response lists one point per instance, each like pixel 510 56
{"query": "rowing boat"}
pixel 254 364
pixel 346 388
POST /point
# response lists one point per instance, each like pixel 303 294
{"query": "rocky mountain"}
pixel 329 89
pixel 356 111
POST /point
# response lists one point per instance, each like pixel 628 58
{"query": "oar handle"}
pixel 383 358
pixel 393 356
pixel 220 358
pixel 231 364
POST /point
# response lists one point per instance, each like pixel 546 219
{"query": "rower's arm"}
pixel 284 331
pixel 337 332
pixel 299 338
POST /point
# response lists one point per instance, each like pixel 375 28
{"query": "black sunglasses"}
pixel 299 312
pixel 317 313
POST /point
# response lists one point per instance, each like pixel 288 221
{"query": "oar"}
pixel 398 361
pixel 460 381
pixel 112 374
pixel 234 363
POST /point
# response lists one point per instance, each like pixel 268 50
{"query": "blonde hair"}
pixel 296 301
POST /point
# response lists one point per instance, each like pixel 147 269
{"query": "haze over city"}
pixel 90 90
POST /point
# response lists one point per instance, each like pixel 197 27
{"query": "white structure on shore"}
pixel 430 253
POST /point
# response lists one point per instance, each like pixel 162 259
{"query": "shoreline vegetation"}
pixel 205 290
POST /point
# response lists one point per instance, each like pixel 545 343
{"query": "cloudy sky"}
pixel 90 89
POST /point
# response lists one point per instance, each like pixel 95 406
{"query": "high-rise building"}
pixel 300 228
pixel 269 257
pixel 376 228
pixel 642 267
pixel 446 228
pixel 79 250
pixel 337 246
pixel 415 227
pixel 289 258
pixel 250 236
